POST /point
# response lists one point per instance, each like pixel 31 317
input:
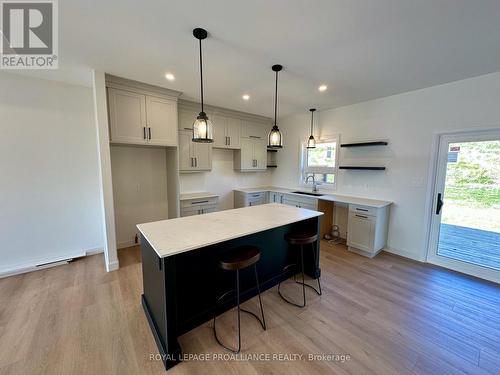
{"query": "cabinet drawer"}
pixel 257 195
pixel 363 210
pixel 198 210
pixel 199 202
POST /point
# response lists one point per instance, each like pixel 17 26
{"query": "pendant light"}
pixel 275 140
pixel 202 127
pixel 311 142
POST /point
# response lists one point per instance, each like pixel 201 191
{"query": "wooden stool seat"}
pixel 235 260
pixel 239 258
pixel 301 238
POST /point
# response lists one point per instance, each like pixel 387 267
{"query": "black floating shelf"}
pixel 363 168
pixel 363 144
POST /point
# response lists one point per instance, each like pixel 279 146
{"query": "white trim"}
pixel 105 179
pixel 45 262
pixel 431 221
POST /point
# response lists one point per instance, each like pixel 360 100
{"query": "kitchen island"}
pixel 181 277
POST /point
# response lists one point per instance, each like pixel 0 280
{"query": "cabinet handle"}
pixel 199 202
pixel 254 136
pixel 361 216
pixel 361 209
pixel 144 132
pixel 195 162
pixel 188 129
pixel 192 162
pixel 149 130
pixel 229 141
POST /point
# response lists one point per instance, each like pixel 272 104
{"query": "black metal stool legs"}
pixel 262 322
pixel 303 283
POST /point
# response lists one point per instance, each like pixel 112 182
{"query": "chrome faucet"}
pixel 315 184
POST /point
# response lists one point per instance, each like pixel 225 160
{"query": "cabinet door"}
pixel 186 151
pixel 252 129
pixel 186 119
pixel 220 138
pixel 127 116
pixel 360 231
pixel 290 202
pixel 161 116
pixel 260 153
pixel 247 159
pixel 202 156
pixel 233 133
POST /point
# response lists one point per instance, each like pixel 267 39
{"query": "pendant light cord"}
pixel 312 121
pixel 201 78
pixel 276 99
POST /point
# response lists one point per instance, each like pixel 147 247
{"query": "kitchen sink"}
pixel 307 193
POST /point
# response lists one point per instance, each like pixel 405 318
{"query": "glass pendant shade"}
pixel 311 143
pixel 203 129
pixel 275 139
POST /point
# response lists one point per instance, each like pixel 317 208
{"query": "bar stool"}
pixel 236 260
pixel 301 239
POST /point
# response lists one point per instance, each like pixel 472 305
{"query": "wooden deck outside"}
pixel 470 245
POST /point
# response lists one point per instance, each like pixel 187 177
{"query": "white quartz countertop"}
pixel 174 236
pixel 196 195
pixel 325 196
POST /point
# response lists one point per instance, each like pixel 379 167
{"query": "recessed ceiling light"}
pixel 170 77
pixel 322 88
pixel 246 97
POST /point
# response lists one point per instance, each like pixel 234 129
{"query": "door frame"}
pixel 435 174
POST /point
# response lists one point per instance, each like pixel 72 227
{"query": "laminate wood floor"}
pixel 389 315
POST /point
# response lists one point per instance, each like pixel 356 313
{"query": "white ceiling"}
pixel 362 49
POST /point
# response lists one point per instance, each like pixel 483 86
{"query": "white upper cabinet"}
pixel 227 131
pixel 233 133
pixel 219 122
pixel 193 157
pixel 136 118
pixel 256 130
pixel 161 116
pixel 252 156
pixel 127 117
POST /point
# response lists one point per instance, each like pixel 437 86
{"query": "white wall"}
pixel 49 194
pixel 139 189
pixel 223 179
pixel 408 121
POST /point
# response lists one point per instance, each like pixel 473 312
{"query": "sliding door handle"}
pixel 439 204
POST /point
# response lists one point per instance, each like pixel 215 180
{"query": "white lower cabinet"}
pixel 301 202
pixel 275 197
pixel 244 199
pixel 367 229
pixel 198 206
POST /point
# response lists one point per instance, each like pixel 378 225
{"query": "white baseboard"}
pixel 46 262
pixel 123 245
pixel 112 266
